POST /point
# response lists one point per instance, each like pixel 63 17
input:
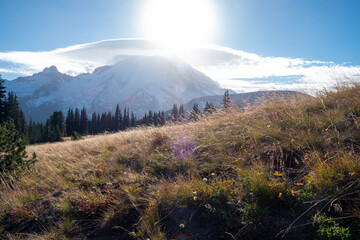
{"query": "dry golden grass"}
pixel 236 173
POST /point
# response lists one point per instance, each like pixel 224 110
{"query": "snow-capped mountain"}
pixel 141 83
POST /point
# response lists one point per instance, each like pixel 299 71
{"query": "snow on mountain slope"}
pixel 141 83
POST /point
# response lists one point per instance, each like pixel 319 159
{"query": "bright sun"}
pixel 179 23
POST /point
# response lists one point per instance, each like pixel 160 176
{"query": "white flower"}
pixel 204 179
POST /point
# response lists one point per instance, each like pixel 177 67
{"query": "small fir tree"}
pixel 12 149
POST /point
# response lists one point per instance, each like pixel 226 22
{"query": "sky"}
pixel 312 30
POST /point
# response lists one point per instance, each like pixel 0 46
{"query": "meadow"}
pixel 288 169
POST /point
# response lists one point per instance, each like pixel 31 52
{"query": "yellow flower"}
pixel 292 193
pixel 299 184
pixel 277 174
pixel 278 142
pixel 280 194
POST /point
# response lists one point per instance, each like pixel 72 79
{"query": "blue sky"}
pixel 282 44
pixel 326 30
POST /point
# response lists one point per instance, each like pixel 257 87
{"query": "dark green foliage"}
pixel 56 127
pixel 329 229
pixel 181 112
pixel 14 112
pixel 83 122
pixel 175 113
pixel 12 149
pixel 209 108
pixel 70 122
pixel 2 101
pixel 195 113
pixel 226 99
pixel 76 136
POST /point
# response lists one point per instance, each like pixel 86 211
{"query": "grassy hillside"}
pixel 285 169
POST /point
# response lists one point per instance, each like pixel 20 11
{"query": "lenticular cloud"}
pixel 234 69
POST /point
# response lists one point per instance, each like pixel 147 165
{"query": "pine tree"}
pixel 150 120
pixel 92 129
pixel 83 122
pixel 12 149
pixel 133 120
pixel 2 101
pixel 76 123
pixel 226 99
pixel 162 120
pixel 175 113
pixel 70 122
pixel 209 108
pixel 14 112
pixel 181 112
pixel 56 127
pixel 195 113
pixel 117 118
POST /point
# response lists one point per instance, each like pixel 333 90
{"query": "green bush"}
pixel 329 229
pixel 12 150
pixel 76 136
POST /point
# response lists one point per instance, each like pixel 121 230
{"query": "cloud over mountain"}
pixel 238 70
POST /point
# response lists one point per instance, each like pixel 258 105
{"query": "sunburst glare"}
pixel 179 23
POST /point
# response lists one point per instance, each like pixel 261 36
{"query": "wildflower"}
pixel 278 142
pixel 292 140
pixel 205 179
pixel 182 225
pixel 194 193
pixel 276 173
pixel 268 126
pixel 280 194
pixel 212 174
pixel 195 198
pixel 299 184
pixel 292 193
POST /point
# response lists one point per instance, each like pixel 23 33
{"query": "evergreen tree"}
pixel 117 118
pixel 195 113
pixel 2 101
pixel 162 119
pixel 56 127
pixel 69 122
pixel 108 121
pixel 226 99
pixel 83 122
pixel 14 112
pixel 181 112
pixel 175 113
pixel 126 120
pixel 133 120
pixel 98 122
pixel 93 124
pixel 76 123
pixel 150 120
pixel 12 149
pixel 209 108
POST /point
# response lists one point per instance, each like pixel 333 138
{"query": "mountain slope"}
pixel 242 100
pixel 141 83
pixel 289 170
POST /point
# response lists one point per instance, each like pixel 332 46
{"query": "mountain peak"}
pixel 51 69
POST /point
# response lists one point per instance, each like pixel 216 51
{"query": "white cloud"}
pixel 220 63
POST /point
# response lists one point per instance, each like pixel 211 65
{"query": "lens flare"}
pixel 179 23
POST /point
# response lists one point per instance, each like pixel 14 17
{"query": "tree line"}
pixel 77 123
pixel 13 157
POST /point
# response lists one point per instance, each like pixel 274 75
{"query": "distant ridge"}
pixel 139 83
pixel 244 99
